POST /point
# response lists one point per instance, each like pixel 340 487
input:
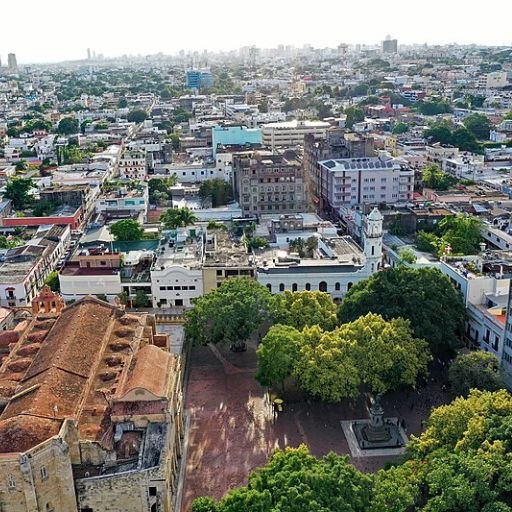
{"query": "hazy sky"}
pixel 53 30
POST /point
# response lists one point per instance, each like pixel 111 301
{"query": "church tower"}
pixel 372 238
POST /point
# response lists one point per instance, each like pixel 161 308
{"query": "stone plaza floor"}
pixel 232 429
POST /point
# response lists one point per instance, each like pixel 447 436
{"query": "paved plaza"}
pixel 232 429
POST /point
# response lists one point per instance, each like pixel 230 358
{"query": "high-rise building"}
pixel 199 79
pixel 88 54
pixel 389 45
pixel 12 64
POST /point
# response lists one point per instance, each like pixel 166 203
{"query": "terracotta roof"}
pixel 149 370
pixel 75 339
pixel 21 433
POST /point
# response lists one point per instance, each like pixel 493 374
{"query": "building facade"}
pixel 267 183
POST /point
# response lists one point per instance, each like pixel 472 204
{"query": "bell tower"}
pixel 372 237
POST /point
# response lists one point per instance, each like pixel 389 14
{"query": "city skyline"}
pixel 222 27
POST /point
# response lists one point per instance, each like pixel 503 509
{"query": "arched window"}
pixel 281 287
pixel 294 287
pixel 337 287
pixel 349 285
pixel 373 250
pixel 308 286
pixel 269 286
pixel 322 286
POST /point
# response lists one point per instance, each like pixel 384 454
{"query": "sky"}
pixel 56 30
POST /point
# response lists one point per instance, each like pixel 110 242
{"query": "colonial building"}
pixel 334 264
pixel 91 412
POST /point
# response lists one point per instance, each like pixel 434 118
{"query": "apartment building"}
pixel 353 181
pixel 493 80
pixel 133 165
pixel 291 133
pixel 24 269
pixel 265 182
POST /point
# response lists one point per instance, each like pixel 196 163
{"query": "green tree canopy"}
pixel 295 481
pixel 434 177
pixel 424 296
pixel 400 128
pixel 432 108
pixel 137 116
pixel 278 354
pixel 479 125
pixel 17 190
pixel 68 126
pixel 127 230
pixel 177 217
pixel 230 313
pixel 53 281
pixel 354 115
pixel 480 370
pixel 463 233
pixel 304 309
pixel 461 462
pixel 216 192
pixel 370 350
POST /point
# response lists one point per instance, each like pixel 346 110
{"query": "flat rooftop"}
pixel 369 163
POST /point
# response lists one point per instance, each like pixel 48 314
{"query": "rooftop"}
pixel 367 163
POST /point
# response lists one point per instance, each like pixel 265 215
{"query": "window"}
pixel 152 491
pixel 322 286
pixel 349 285
pixel 269 286
pixel 308 286
pixel 44 473
pixel 281 287
pixel 11 482
pixel 219 272
pixel 337 287
pixel 294 287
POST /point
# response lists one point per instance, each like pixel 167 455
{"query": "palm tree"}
pixel 177 217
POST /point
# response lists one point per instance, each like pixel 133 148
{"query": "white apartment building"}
pixel 124 199
pixel 353 181
pixel 291 133
pixel 132 165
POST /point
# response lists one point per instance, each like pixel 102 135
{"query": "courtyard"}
pixel 232 428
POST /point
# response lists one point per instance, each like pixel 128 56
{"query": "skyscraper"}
pixel 389 45
pixel 12 64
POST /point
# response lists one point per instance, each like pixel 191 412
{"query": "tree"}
pixel 124 298
pixel 354 115
pixel 408 256
pixel 230 313
pixel 43 208
pixel 53 281
pixel 141 300
pixel 386 353
pixel 127 230
pixel 216 192
pixel 277 355
pixel 424 296
pixel 68 126
pixel 122 103
pixel 479 370
pixel 175 141
pixel 400 128
pixel 464 140
pixel 177 217
pixel 427 242
pixel 463 233
pixel 432 108
pixel 295 481
pixel 479 125
pixel 17 190
pixel 461 462
pixel 434 177
pixel 304 309
pixel 439 132
pixel 137 116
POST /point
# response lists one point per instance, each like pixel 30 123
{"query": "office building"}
pixel 199 79
pixel 12 64
pixel 389 45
